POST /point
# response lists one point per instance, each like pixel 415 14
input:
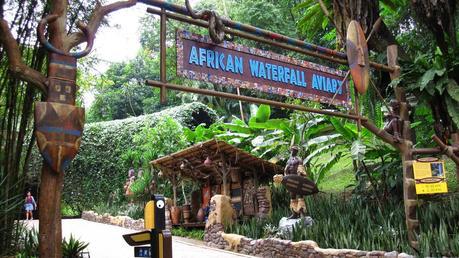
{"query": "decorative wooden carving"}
pixel 357 56
pixel 58 129
pixel 264 201
pixel 248 199
pixel 395 124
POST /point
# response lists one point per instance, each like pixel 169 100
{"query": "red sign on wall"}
pixel 241 66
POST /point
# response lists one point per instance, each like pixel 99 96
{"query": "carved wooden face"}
pixel 58 129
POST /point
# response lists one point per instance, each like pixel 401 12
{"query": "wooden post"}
pixel 226 168
pixel 162 58
pixel 50 212
pixel 409 190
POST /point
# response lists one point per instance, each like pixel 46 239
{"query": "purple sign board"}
pixel 241 66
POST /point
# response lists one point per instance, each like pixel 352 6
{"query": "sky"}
pixel 118 42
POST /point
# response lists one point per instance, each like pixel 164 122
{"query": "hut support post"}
pixel 224 172
pixel 174 182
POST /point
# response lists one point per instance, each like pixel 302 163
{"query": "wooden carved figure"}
pixel 394 126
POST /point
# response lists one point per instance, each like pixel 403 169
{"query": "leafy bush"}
pixel 28 243
pixel 98 170
pixel 68 211
pixel 140 187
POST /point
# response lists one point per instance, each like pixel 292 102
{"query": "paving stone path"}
pixel 106 241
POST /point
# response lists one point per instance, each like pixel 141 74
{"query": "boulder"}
pixel 286 225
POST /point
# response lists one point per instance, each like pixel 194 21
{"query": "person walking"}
pixel 29 205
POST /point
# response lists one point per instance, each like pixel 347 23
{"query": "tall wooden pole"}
pixel 162 57
pixel 58 128
pixel 51 182
pixel 50 236
pixel 406 145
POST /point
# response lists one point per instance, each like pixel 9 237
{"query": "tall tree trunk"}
pixel 438 17
pixel 366 12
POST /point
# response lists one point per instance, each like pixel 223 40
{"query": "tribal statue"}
pixel 295 167
pixel 395 124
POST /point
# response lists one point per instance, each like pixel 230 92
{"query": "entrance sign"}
pixel 430 177
pixel 241 66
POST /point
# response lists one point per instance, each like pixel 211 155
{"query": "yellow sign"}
pixel 149 215
pixel 430 177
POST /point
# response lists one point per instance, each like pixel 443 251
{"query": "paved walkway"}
pixel 106 241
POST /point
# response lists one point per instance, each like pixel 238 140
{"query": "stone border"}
pixel 278 248
pixel 121 221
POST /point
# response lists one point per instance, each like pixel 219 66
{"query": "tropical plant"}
pixel 28 242
pixel 73 247
pixel 343 222
pixel 141 187
pixel 323 141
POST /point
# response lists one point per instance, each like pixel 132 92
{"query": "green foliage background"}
pixel 98 172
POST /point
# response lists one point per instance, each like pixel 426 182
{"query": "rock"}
pixel 404 255
pixel 376 253
pixel 392 254
pixel 286 225
pixel 307 244
pixel 88 215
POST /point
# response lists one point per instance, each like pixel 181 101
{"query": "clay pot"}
pixel 186 213
pixel 200 215
pixel 175 215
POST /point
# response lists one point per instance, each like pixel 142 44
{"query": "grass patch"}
pixel 194 233
pixel 340 176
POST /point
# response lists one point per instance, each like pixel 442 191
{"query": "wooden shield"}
pixel 357 56
pixel 299 185
pixel 58 129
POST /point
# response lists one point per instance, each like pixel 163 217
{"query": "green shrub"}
pixel 98 173
pixel 73 247
pixel 188 233
pixel 68 211
pixel 28 243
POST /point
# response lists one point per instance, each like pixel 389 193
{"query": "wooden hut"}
pixel 221 168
